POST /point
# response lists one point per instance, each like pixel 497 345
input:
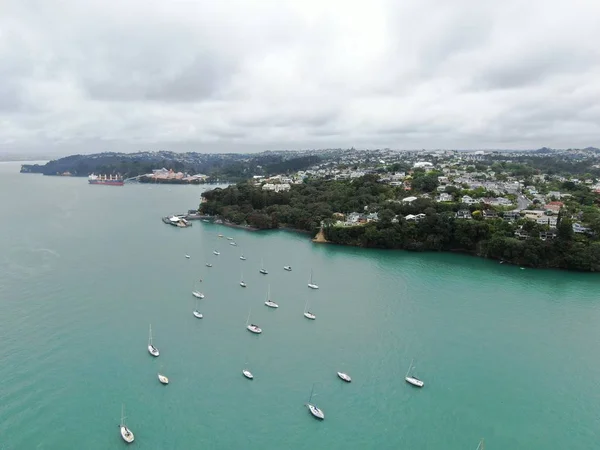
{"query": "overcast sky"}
pixel 208 75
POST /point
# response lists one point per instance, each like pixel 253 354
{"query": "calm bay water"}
pixel 506 354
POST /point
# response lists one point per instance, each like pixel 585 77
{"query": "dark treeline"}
pixel 232 167
pixel 308 205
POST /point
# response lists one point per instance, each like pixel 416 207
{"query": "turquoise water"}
pixel 506 354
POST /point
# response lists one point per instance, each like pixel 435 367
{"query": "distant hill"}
pixel 230 166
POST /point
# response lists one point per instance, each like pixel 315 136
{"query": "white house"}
pixel 409 199
pixel 444 197
pixel 467 200
pixel 415 217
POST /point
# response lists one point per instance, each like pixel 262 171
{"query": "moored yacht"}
pixel 262 268
pixel 247 374
pixel 151 348
pixel 197 314
pixel 242 257
pixel 188 256
pixel 311 284
pixel 411 379
pixel 288 268
pixel 252 328
pixel 270 303
pixel 344 376
pixel 233 243
pixel 216 253
pixel 208 265
pixel 197 294
pixel 314 410
pixel 163 379
pixel 126 433
pixel 307 313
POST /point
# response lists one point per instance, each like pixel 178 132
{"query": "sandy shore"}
pixel 320 237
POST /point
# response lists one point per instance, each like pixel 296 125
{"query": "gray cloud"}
pixel 252 75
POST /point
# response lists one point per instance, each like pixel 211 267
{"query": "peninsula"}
pixel 526 210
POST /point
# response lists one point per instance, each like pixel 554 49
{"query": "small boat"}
pixel 262 268
pixel 208 265
pixel 411 379
pixel 242 283
pixel 288 268
pixel 242 257
pixel 233 243
pixel 344 376
pixel 205 220
pixel 197 294
pixel 270 303
pixel 248 374
pixel 197 314
pixel 220 235
pixel 216 253
pixel 310 281
pixel 126 433
pixel 316 412
pixel 252 328
pixel 188 256
pixel 307 313
pixel 229 238
pixel 151 348
pixel 163 379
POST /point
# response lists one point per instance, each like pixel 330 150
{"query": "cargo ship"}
pixel 109 180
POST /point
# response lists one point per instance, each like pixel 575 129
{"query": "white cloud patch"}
pixel 233 75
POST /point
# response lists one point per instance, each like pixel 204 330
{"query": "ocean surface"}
pixel 508 355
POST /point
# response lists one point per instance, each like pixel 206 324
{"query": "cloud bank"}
pixel 236 75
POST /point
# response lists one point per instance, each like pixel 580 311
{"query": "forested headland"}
pixel 316 203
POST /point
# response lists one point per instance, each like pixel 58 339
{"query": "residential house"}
pixel 578 228
pixel 553 206
pixel 490 214
pixel 444 197
pixel 415 217
pixel 548 234
pixel 372 217
pixel 512 215
pixel 554 194
pixel 468 200
pixel 409 199
pixel 464 214
pixel 547 220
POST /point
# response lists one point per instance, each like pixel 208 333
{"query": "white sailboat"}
pixel 252 328
pixel 270 303
pixel 126 433
pixel 248 374
pixel 196 293
pixel 162 378
pixel 151 348
pixel 233 243
pixel 288 268
pixel 242 282
pixel 307 313
pixel 216 253
pixel 242 257
pixel 220 235
pixel 411 379
pixel 197 314
pixel 310 281
pixel 262 268
pixel 314 410
pixel 188 256
pixel 208 265
pixel 229 238
pixel 344 376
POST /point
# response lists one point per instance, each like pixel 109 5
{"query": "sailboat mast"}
pixel 410 367
pixel 311 392
pixel 306 305
pixel 248 319
pixel 150 335
pixel 122 414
